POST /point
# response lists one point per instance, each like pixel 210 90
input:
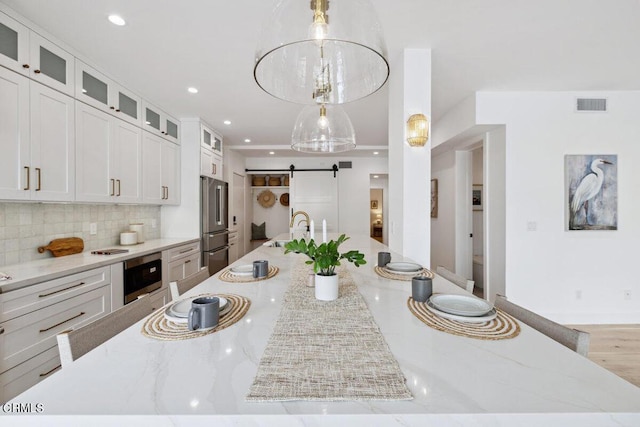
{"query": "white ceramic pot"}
pixel 128 238
pixel 139 229
pixel 327 287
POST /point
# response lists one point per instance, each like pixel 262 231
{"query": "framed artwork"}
pixel 477 197
pixel 374 204
pixel 434 198
pixel 591 189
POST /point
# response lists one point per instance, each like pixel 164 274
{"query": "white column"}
pixel 409 167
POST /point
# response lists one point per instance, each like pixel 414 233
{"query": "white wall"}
pixel 577 276
pixel 353 184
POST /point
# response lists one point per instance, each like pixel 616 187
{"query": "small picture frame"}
pixel 374 204
pixel 477 197
pixel 434 198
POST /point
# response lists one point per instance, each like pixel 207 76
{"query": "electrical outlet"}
pixel 532 226
pixel 627 294
pixel 93 228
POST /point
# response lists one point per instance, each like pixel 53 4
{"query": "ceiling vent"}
pixel 591 104
pixel 344 165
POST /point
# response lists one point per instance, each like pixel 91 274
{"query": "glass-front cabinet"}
pixel 160 123
pixel 28 53
pixel 97 90
pixel 210 140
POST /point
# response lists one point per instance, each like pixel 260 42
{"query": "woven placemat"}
pixel 381 271
pixel 502 327
pixel 326 350
pixel 158 327
pixel 228 276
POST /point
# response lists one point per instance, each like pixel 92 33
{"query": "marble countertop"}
pixel 33 272
pixel 528 380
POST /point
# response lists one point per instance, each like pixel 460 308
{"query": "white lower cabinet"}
pixel 27 374
pixel 182 261
pixel 159 298
pixel 31 317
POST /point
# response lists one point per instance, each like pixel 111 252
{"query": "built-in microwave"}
pixel 142 275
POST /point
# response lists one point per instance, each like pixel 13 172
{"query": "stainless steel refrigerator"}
pixel 214 214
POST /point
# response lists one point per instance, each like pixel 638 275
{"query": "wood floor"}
pixel 616 348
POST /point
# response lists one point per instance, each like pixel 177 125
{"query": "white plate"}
pixel 242 270
pixel 181 308
pixel 477 319
pixel 403 267
pixel 169 315
pixel 462 305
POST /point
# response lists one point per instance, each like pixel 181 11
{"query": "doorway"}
pixel 375 213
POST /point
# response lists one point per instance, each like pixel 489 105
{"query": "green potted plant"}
pixel 325 258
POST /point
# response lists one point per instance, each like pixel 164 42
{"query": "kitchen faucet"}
pixel 293 219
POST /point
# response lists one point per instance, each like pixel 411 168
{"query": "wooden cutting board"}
pixel 62 247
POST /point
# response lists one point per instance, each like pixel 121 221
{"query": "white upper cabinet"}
pixel 101 92
pixel 108 154
pixel 14 45
pixel 160 123
pixel 160 170
pixel 52 144
pixel 211 140
pixel 27 52
pixel 36 141
pixel 14 136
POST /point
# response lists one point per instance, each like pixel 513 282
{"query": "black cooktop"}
pixel 110 251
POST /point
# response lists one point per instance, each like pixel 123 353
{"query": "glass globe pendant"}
pixel 321 51
pixel 323 129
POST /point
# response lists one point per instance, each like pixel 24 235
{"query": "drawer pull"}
pixel 64 321
pixel 187 261
pixel 52 370
pixel 1 330
pixel 61 290
pixel 186 250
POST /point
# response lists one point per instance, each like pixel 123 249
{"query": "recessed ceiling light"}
pixel 247 140
pixel 116 20
pixel 376 176
pixel 192 90
pixel 227 122
pixel 272 153
pixel 376 153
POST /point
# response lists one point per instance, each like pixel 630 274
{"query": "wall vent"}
pixel 591 104
pixel 344 165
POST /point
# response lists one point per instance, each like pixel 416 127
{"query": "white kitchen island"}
pixel 527 380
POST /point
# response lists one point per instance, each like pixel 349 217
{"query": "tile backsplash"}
pixel 26 226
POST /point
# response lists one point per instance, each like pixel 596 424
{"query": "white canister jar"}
pixel 327 287
pixel 139 229
pixel 128 238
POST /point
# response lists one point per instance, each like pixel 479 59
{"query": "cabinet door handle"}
pixel 25 66
pixel 187 261
pixel 113 187
pixel 44 374
pixel 37 71
pixel 167 198
pixel 60 290
pixel 1 330
pixel 28 178
pixel 118 182
pixel 112 107
pixel 39 172
pixel 117 110
pixel 82 313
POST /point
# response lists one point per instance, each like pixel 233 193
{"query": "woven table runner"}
pixel 326 350
pixel 381 271
pixel 502 327
pixel 159 327
pixel 228 276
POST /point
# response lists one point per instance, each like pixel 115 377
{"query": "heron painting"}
pixel 592 184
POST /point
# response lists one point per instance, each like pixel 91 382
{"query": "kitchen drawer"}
pixel 22 301
pixel 27 374
pixel 183 251
pixel 26 336
pixel 185 267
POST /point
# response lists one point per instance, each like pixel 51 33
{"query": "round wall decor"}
pixel 284 199
pixel 266 198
